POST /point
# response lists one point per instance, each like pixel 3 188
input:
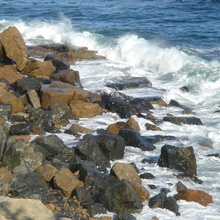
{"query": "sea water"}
pixel 174 43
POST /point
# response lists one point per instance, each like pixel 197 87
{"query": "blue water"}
pixel 173 43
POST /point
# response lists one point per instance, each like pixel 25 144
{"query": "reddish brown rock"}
pixel 142 192
pixel 5 175
pixel 116 127
pixel 9 72
pixel 80 129
pixel 39 69
pixel 80 94
pixel 66 181
pixel 125 171
pixel 134 124
pixel 56 92
pixel 8 98
pixel 82 109
pixel 47 170
pixel 191 195
pixel 15 47
pixel 152 127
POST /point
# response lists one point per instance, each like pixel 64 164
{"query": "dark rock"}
pixel 3 141
pixel 174 103
pixel 152 127
pixel 142 103
pixel 121 196
pixel 124 215
pixel 122 108
pixel 150 160
pixel 184 89
pixel 49 145
pixel 158 138
pixel 187 111
pixel 180 186
pixel 171 204
pixel 21 129
pixel 27 84
pixel 181 159
pixel 5 110
pixel 183 120
pixel 127 83
pixel 17 118
pixel 84 196
pixel 153 119
pixel 188 177
pixel 95 208
pixel 152 186
pixel 147 176
pixel 134 139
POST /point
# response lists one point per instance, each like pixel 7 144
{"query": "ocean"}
pixel 174 43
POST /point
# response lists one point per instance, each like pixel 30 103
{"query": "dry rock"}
pixel 9 72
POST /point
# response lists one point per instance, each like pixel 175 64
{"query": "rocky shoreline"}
pixel 40 177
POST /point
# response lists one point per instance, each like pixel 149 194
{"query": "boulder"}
pixel 68 76
pixel 191 195
pixel 134 139
pixel 121 196
pixel 39 69
pixel 5 110
pixel 8 98
pixel 116 127
pixel 33 99
pixel 81 109
pixel 178 158
pixel 66 181
pixel 134 124
pixel 124 215
pixel 20 209
pixel 125 171
pixel 21 128
pixel 14 47
pixel 5 175
pixel 152 127
pixel 144 104
pixel 3 141
pixel 10 73
pixel 77 128
pixel 174 103
pixel 183 120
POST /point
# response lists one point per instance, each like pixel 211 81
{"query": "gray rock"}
pixel 183 120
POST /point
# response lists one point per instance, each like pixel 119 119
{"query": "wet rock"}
pixel 181 159
pixel 49 145
pixel 125 171
pixel 14 47
pixel 116 127
pixel 81 109
pixel 39 69
pixel 152 127
pixel 144 104
pixel 10 73
pixel 198 196
pixel 124 215
pixel 47 170
pixel 183 120
pixel 147 176
pixel 184 89
pixel 171 204
pixel 156 101
pixel 187 111
pixel 21 129
pixel 134 139
pixel 95 209
pixel 174 103
pixel 77 128
pixel 158 138
pixel 153 119
pixel 127 83
pixel 68 76
pixel 3 141
pixel 180 186
pixel 134 124
pixel 121 196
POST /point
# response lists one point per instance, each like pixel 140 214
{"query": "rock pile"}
pixel 39 94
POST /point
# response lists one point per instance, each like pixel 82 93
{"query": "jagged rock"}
pixel 33 99
pixel 174 103
pixel 81 109
pixel 127 83
pixel 144 104
pixel 171 204
pixel 134 124
pixel 187 111
pixel 68 76
pixel 66 181
pixel 147 176
pixel 31 209
pixel 5 110
pixel 9 73
pixel 8 98
pixel 49 145
pixel 134 139
pixel 47 170
pixel 183 120
pixel 153 119
pixel 180 186
pixel 5 175
pixel 156 101
pixel 158 138
pixel 124 215
pixel 125 171
pixel 116 127
pixel 58 63
pixel 152 127
pixel 21 129
pixel 95 208
pixel 14 47
pixel 77 128
pixel 84 196
pixel 198 196
pixel 182 159
pixel 121 196
pixel 3 141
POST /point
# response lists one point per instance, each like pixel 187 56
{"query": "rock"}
pixel 5 175
pixel 47 170
pixel 147 176
pixel 134 124
pixel 174 103
pixel 152 127
pixel 153 119
pixel 21 129
pixel 183 120
pixel 156 101
pixel 125 171
pixel 58 63
pixel 39 69
pixel 198 196
pixel 95 209
pixel 171 204
pixel 9 72
pixel 5 110
pixel 68 76
pixel 20 209
pixel 8 98
pixel 121 196
pixel 84 196
pixel 27 84
pixel 56 92
pixel 127 83
pixel 77 128
pixel 66 181
pixel 124 215
pixel 187 111
pixel 134 139
pixel 3 141
pixel 49 145
pixel 81 109
pixel 144 104
pixel 180 186
pixel 33 99
pixel 181 159
pixel 116 127
pixel 14 47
